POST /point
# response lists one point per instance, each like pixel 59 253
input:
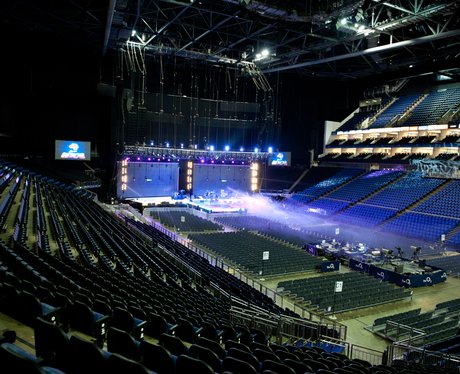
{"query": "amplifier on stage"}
pixel 399 269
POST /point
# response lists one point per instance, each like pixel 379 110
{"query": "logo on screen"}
pixel 278 159
pixel 72 153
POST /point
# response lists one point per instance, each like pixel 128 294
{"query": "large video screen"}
pixel 280 159
pixel 72 150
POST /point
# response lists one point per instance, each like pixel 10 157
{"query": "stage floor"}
pixel 221 205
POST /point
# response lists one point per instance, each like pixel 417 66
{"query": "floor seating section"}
pixel 359 290
pixel 235 247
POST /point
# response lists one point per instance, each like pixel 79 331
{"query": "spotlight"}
pixel 270 149
pixel 241 149
pixel 167 144
pixel 227 148
pixel 256 150
pixel 343 21
pixel 211 148
pixel 265 52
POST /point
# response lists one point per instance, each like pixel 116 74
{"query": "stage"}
pixel 207 205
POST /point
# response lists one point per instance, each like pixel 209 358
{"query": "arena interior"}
pixel 230 186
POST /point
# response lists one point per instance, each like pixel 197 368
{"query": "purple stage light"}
pixel 138 159
pixel 149 159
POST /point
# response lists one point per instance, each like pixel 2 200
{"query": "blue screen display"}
pixel 280 159
pixel 72 150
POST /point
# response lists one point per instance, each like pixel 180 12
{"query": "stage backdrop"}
pixel 209 178
pixel 148 179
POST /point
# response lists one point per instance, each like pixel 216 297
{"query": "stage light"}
pixel 152 143
pixel 227 148
pixel 270 149
pixel 138 159
pixel 258 56
pixel 181 145
pixel 343 21
pixel 256 150
pixel 133 32
pixel 265 52
pixel 241 149
pixel 211 148
pixel 167 144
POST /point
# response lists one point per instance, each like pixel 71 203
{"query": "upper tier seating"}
pixel 430 110
pixel 364 185
pixel 404 192
pixel 444 202
pixel 326 185
pixel 394 111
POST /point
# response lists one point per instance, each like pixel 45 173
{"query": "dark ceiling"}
pixel 339 39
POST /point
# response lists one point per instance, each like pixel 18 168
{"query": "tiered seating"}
pixel 380 322
pixel 451 264
pixel 425 139
pixel 404 192
pixel 450 139
pixel 418 156
pixel 326 185
pixel 359 291
pixel 405 140
pixel 246 250
pixel 273 229
pixel 363 214
pixel 445 156
pixel 426 227
pixel 433 107
pixel 442 203
pixel 383 140
pixel 325 206
pixel 357 118
pixel 394 111
pixel 224 280
pixel 364 185
pixel 184 221
pixel 9 196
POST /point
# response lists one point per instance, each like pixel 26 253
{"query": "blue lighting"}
pixel 270 149
pixel 227 148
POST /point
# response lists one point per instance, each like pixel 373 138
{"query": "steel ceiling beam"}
pixel 108 25
pixel 369 51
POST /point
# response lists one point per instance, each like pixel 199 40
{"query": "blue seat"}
pixel 14 359
pixel 124 320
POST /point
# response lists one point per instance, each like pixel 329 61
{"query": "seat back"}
pixel 173 344
pixel 277 367
pixel 206 355
pixel 117 363
pixel 212 345
pixel 51 342
pixel 14 360
pixel 119 341
pixel 156 357
pixel 245 356
pixel 122 319
pixel 232 364
pixel 85 356
pixel 186 364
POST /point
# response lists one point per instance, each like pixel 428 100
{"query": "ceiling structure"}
pixel 340 39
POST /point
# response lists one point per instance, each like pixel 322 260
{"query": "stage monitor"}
pixel 72 150
pixel 280 159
